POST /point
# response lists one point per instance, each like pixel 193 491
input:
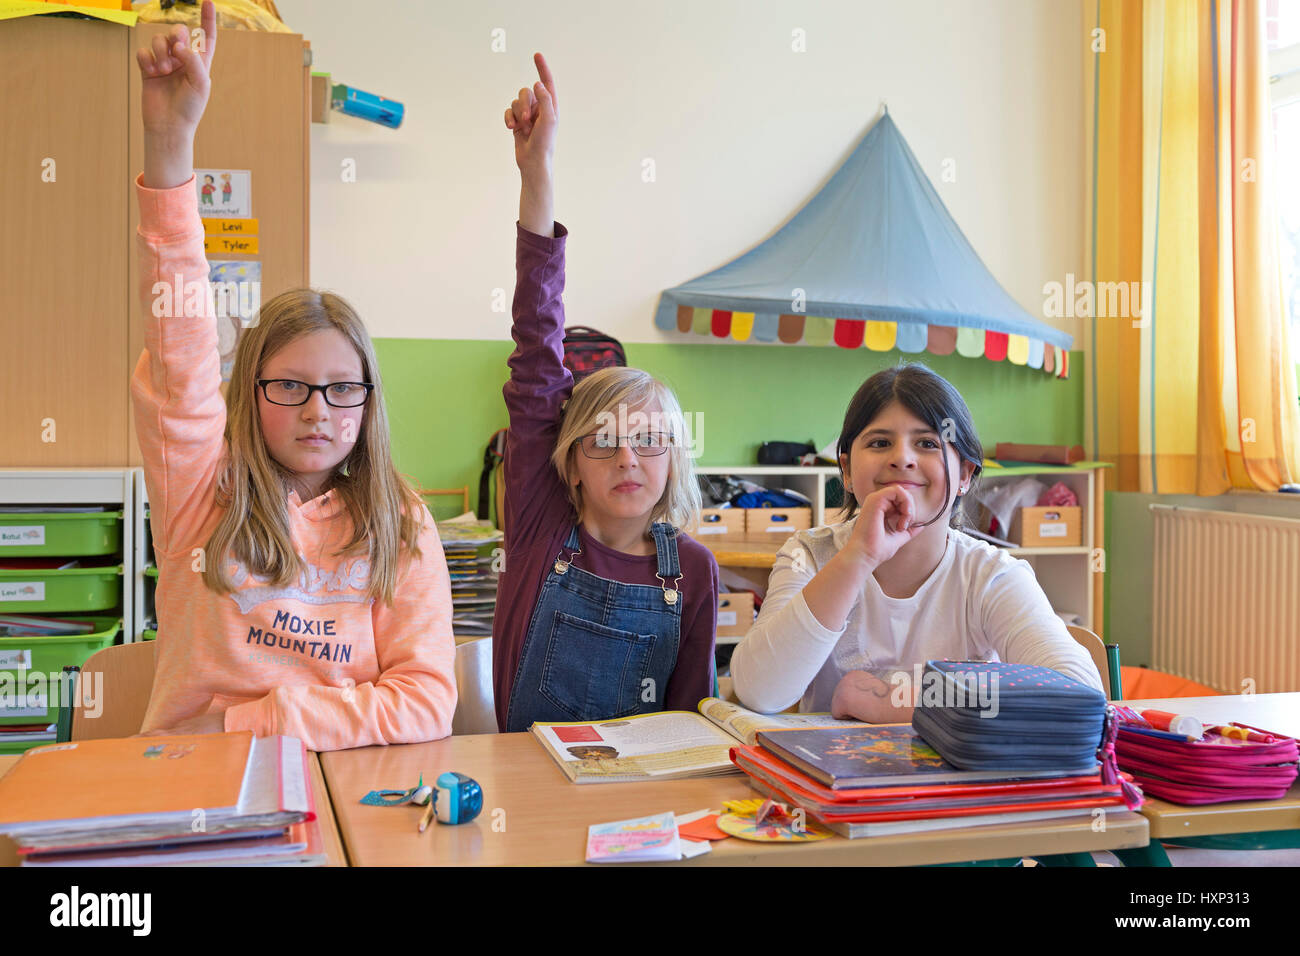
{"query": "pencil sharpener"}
pixel 456 798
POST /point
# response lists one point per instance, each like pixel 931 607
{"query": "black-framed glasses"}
pixel 647 445
pixel 286 391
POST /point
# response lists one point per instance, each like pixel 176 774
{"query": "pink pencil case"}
pixel 1214 770
pixel 1198 795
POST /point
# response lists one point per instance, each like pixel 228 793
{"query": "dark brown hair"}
pixel 932 399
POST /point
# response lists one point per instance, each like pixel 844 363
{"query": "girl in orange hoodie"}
pixel 302 587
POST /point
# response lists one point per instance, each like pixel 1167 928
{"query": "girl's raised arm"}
pixel 539 382
pixel 176 388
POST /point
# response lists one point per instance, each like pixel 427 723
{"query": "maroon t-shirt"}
pixel 538 513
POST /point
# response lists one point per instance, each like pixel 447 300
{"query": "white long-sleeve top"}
pixel 980 603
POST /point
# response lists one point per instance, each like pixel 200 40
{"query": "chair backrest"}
pixel 475 702
pixel 462 493
pixel 727 689
pixel 1097 651
pixel 115 683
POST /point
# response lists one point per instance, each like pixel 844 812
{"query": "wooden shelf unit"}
pixel 1070 576
pixel 55 487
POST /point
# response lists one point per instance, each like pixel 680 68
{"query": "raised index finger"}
pixel 208 21
pixel 548 81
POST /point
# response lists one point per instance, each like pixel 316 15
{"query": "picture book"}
pixel 664 746
pixel 872 756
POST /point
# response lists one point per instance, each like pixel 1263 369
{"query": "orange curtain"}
pixel 1191 389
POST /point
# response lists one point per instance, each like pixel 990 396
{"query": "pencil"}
pixel 428 814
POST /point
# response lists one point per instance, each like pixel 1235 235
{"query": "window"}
pixel 1283 25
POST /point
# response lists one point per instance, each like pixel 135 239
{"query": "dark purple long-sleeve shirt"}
pixel 538 514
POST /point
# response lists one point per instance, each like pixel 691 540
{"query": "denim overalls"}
pixel 595 648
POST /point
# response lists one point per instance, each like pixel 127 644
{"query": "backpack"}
pixel 494 457
pixel 587 350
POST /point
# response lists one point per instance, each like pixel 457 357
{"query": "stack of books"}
pixel 472 564
pixel 19 659
pixel 27 734
pixel 882 780
pixel 29 625
pixel 206 800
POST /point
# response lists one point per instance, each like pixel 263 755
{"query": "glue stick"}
pixel 1174 723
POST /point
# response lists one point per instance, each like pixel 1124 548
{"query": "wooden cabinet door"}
pixel 63 258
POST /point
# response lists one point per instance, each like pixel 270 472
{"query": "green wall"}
pixel 444 399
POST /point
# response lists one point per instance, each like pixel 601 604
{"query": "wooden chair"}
pixel 475 702
pixel 117 682
pixel 727 690
pixel 462 492
pixel 1105 656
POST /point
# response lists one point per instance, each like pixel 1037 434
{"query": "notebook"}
pixel 140 788
pixel 878 825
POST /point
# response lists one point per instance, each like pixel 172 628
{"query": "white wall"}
pixel 742 130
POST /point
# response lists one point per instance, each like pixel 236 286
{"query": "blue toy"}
pixel 456 798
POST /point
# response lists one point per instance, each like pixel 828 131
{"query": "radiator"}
pixel 1226 607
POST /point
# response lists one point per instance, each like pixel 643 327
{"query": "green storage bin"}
pixel 47 656
pixel 60 535
pixel 9 750
pixel 58 592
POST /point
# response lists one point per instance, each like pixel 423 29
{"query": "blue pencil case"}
pixel 990 715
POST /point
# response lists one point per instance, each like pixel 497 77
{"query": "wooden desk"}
pixel 1276 712
pixel 541 818
pixel 324 812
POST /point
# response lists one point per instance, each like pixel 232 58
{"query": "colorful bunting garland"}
pixel 876 336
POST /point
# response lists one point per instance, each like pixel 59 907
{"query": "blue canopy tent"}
pixel 873 260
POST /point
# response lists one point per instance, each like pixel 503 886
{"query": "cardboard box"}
pixel 719 524
pixel 735 614
pixel 1048 527
pixel 774 525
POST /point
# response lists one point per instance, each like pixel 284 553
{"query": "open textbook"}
pixel 666 746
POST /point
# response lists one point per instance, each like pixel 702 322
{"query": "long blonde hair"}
pixel 601 394
pixel 386 513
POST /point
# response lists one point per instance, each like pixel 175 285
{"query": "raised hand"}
pixel 534 117
pixel 175 83
pixel 175 78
